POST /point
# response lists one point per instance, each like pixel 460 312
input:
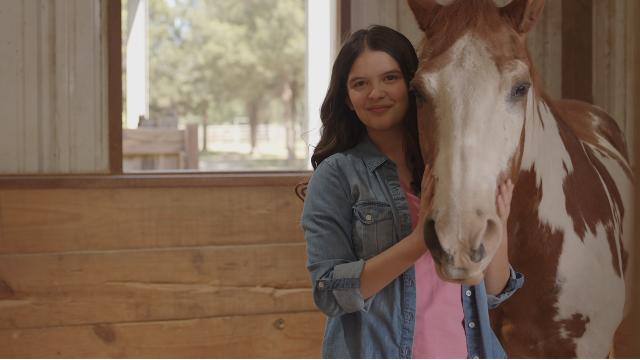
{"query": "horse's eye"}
pixel 520 90
pixel 416 93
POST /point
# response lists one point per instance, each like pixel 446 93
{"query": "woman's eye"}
pixel 391 77
pixel 358 84
pixel 520 90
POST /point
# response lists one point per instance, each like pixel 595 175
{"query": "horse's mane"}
pixel 454 20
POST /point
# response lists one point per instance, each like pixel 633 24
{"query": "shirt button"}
pixel 468 292
pixel 320 284
pixel 472 324
pixel 368 217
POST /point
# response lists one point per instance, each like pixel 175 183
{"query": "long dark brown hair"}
pixel 341 128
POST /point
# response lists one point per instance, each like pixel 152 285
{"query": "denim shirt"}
pixel 354 209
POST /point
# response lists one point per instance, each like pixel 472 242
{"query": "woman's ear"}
pixel 523 14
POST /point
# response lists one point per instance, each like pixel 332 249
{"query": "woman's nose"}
pixel 377 92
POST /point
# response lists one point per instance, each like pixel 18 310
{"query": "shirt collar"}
pixel 372 156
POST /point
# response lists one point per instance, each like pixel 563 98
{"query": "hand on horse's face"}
pixel 503 204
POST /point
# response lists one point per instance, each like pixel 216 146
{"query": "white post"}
pixel 137 63
pixel 321 29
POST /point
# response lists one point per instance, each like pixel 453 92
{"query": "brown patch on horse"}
pixel 533 307
pixel 579 117
pixel 576 326
pixel 587 178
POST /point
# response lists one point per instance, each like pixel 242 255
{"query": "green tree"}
pixel 204 55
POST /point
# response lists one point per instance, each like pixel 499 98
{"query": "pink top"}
pixel 438 331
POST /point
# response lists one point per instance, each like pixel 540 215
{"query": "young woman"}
pixel 370 269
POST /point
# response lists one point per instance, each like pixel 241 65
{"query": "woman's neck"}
pixel 391 143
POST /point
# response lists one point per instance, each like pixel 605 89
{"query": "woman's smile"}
pixel 379 109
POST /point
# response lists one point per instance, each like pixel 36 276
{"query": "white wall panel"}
pixel 53 87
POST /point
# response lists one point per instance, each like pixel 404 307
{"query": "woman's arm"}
pixel 498 272
pixel 383 268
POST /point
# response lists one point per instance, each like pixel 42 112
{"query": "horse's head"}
pixel 473 88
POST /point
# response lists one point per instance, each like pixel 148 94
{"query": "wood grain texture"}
pixel 38 221
pixel 54 117
pixel 294 335
pixel 545 46
pixel 176 179
pixel 114 90
pixel 610 57
pixel 48 290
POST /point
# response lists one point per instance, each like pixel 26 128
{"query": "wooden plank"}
pixel 407 23
pixel 191 146
pixel 70 220
pixel 62 68
pixel 30 159
pixel 153 141
pixel 125 286
pixel 85 58
pixel 632 70
pixel 545 47
pixel 114 54
pixel 577 50
pixel 609 57
pixel 296 335
pixel 157 180
pixel 369 12
pixel 10 49
pixel 344 19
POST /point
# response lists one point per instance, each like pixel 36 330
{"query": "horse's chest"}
pixel 572 299
pixel 590 297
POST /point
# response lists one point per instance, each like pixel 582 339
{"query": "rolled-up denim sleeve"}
pixel 515 282
pixel 327 223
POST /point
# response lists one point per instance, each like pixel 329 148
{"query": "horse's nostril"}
pixel 476 255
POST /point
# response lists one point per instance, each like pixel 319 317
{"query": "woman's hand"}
pixel 503 203
pixel 497 273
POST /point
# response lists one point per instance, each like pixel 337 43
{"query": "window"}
pixel 223 85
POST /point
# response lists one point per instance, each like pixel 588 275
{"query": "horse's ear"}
pixel 424 11
pixel 523 14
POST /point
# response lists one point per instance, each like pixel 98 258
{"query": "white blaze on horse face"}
pixel 479 129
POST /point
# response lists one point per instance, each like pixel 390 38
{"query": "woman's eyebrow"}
pixel 355 78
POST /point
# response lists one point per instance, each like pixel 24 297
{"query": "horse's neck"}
pixel 546 157
pixel 542 138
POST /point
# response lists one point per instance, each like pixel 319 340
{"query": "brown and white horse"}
pixel 484 118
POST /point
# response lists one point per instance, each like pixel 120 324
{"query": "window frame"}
pixel 115 176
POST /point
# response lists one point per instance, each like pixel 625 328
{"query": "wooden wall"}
pixel 185 271
pixel 183 267
pixel 53 88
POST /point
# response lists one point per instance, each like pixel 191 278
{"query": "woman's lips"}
pixel 379 109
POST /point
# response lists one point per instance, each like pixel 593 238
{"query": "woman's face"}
pixel 377 91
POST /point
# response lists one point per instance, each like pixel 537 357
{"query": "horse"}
pixel 484 118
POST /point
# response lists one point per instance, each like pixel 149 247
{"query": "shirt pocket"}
pixel 372 228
